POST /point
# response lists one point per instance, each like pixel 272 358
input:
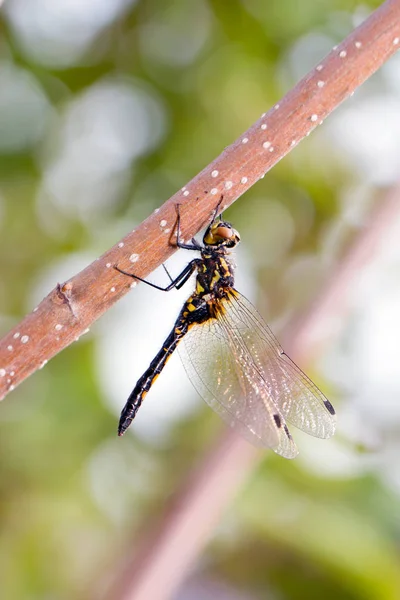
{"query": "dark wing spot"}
pixel 278 420
pixel 285 427
pixel 329 407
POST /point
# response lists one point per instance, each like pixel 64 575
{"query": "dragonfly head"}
pixel 221 233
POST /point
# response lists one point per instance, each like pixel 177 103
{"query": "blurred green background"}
pixel 106 109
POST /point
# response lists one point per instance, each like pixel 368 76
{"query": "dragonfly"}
pixel 231 355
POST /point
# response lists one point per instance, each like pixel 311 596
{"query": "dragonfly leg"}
pixel 216 210
pixel 175 283
pixel 194 245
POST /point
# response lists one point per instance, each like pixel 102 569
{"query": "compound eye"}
pixel 223 232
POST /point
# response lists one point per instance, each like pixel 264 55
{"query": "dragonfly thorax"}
pixel 214 272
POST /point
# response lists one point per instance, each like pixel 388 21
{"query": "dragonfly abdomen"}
pixel 150 375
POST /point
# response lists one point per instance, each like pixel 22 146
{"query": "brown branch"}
pixel 71 308
pixel 160 561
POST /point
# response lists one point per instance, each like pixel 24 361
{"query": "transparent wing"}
pixel 300 401
pixel 222 370
pixel 238 367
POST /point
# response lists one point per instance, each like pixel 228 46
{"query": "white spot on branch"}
pixel 25 339
pixel 214 173
pixel 135 257
pixel 266 145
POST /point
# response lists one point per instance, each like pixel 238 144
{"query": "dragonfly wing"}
pixel 299 400
pixel 221 367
